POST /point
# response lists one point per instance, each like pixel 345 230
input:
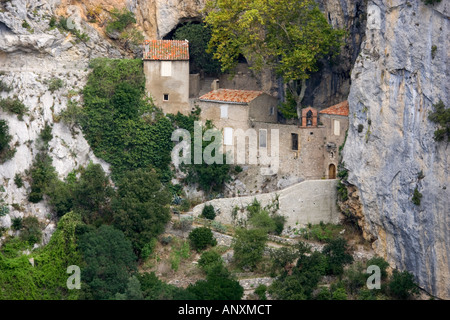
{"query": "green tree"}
pixel 141 207
pixel 208 212
pixel 201 238
pixel 336 252
pixel 249 246
pixel 31 231
pixel 402 285
pixel 198 36
pixel 110 261
pixel 289 36
pixel 208 260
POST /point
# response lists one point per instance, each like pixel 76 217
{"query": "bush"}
pixel 141 207
pixel 201 238
pixel 336 253
pixel 208 212
pixel 6 152
pixel 381 263
pixel 17 223
pixel 431 2
pixel 18 181
pixel 416 198
pixel 13 105
pixel 208 260
pixel 110 262
pixel 42 174
pixel 440 116
pixel 260 291
pixel 120 20
pixel 249 246
pixel 4 87
pixel 31 230
pixel 55 84
pixel 402 285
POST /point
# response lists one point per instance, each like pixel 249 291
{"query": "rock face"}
pixel 159 17
pixel 395 81
pixel 331 84
pixel 29 58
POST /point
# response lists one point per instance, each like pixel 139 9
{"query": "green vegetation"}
pixel 248 246
pixel 6 152
pixel 4 87
pixel 110 262
pixel 198 36
pixel 115 124
pixel 337 255
pixel 322 232
pixel 440 116
pixel 13 105
pixel 208 212
pixel 416 198
pixel 431 2
pixel 201 238
pixel 73 115
pixel 402 285
pixel 141 207
pixel 42 174
pixel 55 84
pixel 65 25
pixel 31 230
pixel 291 43
pixel 122 22
pixel 18 181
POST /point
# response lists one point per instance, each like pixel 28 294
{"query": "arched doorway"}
pixel 332 171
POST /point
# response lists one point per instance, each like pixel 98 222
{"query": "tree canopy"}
pixel 289 36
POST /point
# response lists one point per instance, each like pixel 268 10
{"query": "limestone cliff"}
pixel 401 71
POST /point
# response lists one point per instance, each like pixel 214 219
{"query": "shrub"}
pixel 249 246
pixel 31 230
pixel 17 223
pixel 18 181
pixel 219 227
pixel 120 20
pixel 6 152
pixel 339 294
pixel 42 174
pixel 402 285
pixel 279 223
pixel 238 169
pixel 360 128
pixel 208 260
pixel 440 116
pixel 201 238
pixel 260 291
pixel 336 253
pixel 208 212
pixel 4 87
pixel 381 263
pixel 416 198
pixel 55 84
pixel 73 115
pixel 13 105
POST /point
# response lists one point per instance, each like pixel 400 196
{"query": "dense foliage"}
pixel 6 152
pixel 201 238
pixel 13 105
pixel 441 116
pixel 198 36
pixel 117 123
pixel 140 207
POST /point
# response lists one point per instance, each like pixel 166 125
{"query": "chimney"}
pixel 215 85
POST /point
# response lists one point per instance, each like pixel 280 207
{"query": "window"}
pixel 166 97
pixel 224 112
pixel 263 138
pixel 166 68
pixel 337 127
pixel 272 111
pixel 294 138
pixel 228 136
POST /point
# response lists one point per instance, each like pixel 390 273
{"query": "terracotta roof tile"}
pixel 228 95
pixel 166 50
pixel 340 109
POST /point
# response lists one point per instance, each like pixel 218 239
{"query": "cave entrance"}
pixel 332 171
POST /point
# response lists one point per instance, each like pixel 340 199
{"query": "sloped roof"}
pixel 166 50
pixel 340 109
pixel 231 96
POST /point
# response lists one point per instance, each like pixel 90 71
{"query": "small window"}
pixel 263 138
pixel 294 138
pixel 224 112
pixel 272 111
pixel 166 68
pixel 228 136
pixel 337 128
pixel 166 97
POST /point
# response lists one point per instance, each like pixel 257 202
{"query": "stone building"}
pixel 166 68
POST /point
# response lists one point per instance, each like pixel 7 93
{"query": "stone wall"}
pixel 307 202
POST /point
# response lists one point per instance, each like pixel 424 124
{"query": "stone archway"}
pixel 332 171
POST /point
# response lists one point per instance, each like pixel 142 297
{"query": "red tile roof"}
pixel 340 109
pixel 234 96
pixel 166 50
